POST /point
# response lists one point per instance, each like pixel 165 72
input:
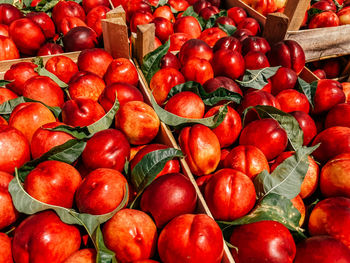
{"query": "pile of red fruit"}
pixel 70 27
pixel 233 161
pixel 85 176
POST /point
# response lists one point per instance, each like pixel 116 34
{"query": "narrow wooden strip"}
pixel 321 43
pixel 117 12
pixel 115 37
pixel 144 42
pixel 307 75
pixel 295 11
pixel 6 64
pixel 275 28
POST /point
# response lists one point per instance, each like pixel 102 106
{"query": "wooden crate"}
pixel 143 43
pixel 116 42
pixel 319 43
pixel 115 17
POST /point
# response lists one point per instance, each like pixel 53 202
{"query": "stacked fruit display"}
pixel 251 159
pixel 81 151
pixel 72 144
pixel 34 28
pixel 327 13
pixel 321 13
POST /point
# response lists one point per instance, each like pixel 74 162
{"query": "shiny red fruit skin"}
pixel 172 166
pixel 79 38
pixel 191 238
pixel 106 149
pixel 9 13
pixel 121 70
pixel 322 249
pixel 324 19
pixel 8 49
pixel 94 60
pixel 230 128
pixel 63 67
pixel 328 94
pixel 230 194
pixel 27 36
pixel 14 149
pixel 267 240
pixel 45 22
pixel 94 17
pixel 67 8
pixel 81 112
pixel 168 197
pixel 287 53
pixel 50 49
pixel 307 124
pixel 53 182
pixel 228 63
pixel 188 25
pixel 44 139
pixel 44 232
pixel 334 141
pixel 267 135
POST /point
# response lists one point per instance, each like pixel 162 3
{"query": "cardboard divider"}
pixel 318 43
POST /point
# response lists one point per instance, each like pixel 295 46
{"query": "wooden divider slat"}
pixel 117 12
pixel 166 136
pixel 115 37
pixel 295 11
pixel 319 43
pixel 144 42
pixel 276 27
pixel 6 64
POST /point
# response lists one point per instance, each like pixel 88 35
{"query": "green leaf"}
pixel 149 167
pixel 3 83
pixel 212 20
pixel 173 10
pixel 68 152
pixel 104 255
pixel 45 6
pixel 309 89
pixel 151 62
pixel 162 3
pixel 229 29
pixel 209 99
pixel 84 132
pixel 177 121
pixel 7 107
pixel 7 2
pixel 287 122
pixel 313 11
pixel 257 79
pixel 42 71
pixel 126 166
pixel 273 207
pixel 24 203
pixel 339 6
pixel 190 12
pixel 287 178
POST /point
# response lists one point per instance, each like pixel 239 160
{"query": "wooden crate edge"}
pixel 6 64
pixel 168 138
